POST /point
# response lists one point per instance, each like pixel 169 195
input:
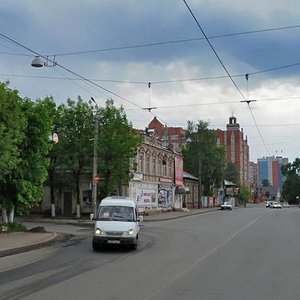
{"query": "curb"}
pixel 54 237
pixel 149 218
pixel 183 215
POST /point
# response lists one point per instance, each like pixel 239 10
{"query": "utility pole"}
pixel 200 179
pixel 95 159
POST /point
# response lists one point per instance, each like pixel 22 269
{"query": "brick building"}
pixel 237 149
pixel 174 136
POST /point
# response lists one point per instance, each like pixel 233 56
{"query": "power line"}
pixel 219 59
pixel 68 70
pixel 213 49
pixel 72 72
pixel 165 42
pixel 143 45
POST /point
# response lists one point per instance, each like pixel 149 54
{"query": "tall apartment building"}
pixel 174 136
pixel 269 168
pixel 237 149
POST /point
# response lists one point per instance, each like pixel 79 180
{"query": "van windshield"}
pixel 116 213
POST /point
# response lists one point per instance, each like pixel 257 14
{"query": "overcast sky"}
pixel 120 46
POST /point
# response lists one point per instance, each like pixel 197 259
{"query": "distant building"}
pixel 170 136
pixel 237 149
pixel 269 168
pixel 253 180
pixel 253 173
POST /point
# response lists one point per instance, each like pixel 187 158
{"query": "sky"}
pixel 194 53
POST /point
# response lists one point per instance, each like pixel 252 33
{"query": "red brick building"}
pixel 174 136
pixel 237 149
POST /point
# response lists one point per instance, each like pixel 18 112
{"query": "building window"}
pixel 160 166
pixel 87 197
pixel 170 168
pixel 164 166
pixel 154 165
pixel 232 148
pixel 174 137
pixel 148 170
pixel 141 163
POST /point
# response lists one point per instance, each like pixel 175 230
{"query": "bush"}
pixel 12 227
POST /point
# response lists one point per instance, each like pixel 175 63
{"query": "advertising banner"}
pixel 165 196
pixel 178 171
pixel 146 197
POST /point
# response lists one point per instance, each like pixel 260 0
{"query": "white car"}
pixel 226 205
pixel 276 205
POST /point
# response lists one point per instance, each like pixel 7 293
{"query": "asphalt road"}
pixel 246 253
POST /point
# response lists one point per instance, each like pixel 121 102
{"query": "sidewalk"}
pixel 17 242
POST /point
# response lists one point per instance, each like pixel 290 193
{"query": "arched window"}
pixel 170 167
pixel 154 164
pixel 141 161
pixel 148 160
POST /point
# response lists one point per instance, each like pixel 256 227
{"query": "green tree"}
pixel 203 158
pixel 265 182
pixel 12 120
pixel 244 194
pixel 22 185
pixel 73 153
pixel 291 185
pixel 117 146
pixel 231 173
pixel 56 179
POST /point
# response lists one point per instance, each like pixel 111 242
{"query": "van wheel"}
pixel 135 245
pixel 96 247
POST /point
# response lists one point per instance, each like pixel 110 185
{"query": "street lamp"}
pixel 48 61
pixel 95 158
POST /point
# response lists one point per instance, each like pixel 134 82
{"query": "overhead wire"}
pixel 227 72
pixel 169 42
pixel 213 49
pixel 68 70
pixel 153 44
pixel 73 73
pixel 177 41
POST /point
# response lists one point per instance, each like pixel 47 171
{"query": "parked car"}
pixel 117 222
pixel 276 205
pixel 226 205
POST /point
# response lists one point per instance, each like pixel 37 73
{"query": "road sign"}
pixel 97 178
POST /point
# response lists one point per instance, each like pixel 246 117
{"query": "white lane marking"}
pixel 198 262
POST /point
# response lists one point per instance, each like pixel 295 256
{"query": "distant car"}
pixel 276 205
pixel 269 203
pixel 285 205
pixel 226 205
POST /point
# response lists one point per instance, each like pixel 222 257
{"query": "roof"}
pixel 118 201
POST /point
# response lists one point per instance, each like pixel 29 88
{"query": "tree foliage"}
pixel 117 145
pixel 24 144
pixel 265 182
pixel 244 193
pixel 291 185
pixel 201 148
pixel 231 173
pixel 75 127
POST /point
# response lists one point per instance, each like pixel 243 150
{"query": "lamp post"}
pixel 95 159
